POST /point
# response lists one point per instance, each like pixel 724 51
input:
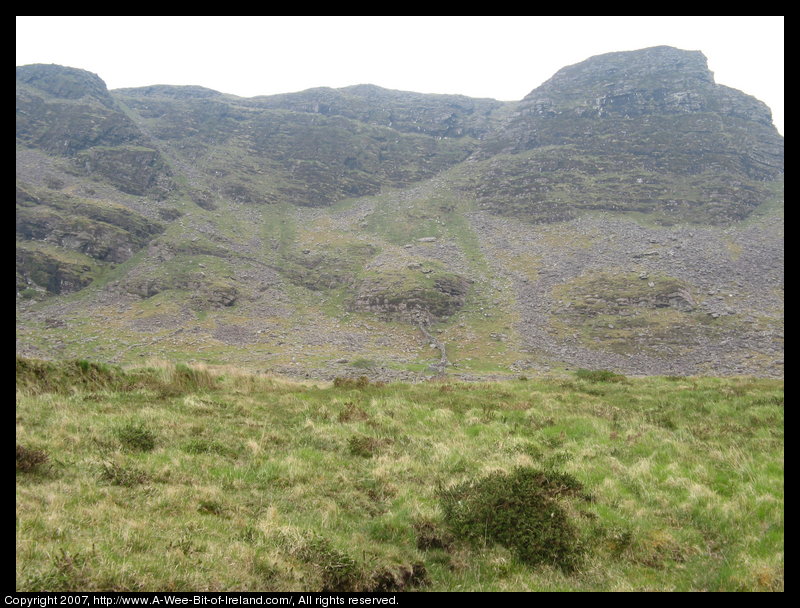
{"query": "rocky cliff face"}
pixel 646 131
pixel 658 80
pixel 407 112
pixel 64 110
pixel 625 214
pixel 312 148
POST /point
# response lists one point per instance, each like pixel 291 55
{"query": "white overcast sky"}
pixel 499 57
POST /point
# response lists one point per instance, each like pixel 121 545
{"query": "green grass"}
pixel 184 478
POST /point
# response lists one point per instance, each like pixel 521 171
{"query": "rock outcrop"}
pixel 412 295
pixel 61 239
pixel 64 110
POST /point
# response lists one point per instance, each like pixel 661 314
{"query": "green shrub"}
pixel 136 436
pixel 519 511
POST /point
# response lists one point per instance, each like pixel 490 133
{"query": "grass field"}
pixel 170 477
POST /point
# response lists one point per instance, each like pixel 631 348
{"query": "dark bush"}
pixel 211 507
pixel 430 536
pixel 122 476
pixel 29 460
pixel 136 436
pixel 351 413
pixel 338 571
pixel 520 511
pixel 199 445
pixel 364 446
pixel 398 578
pixel 360 382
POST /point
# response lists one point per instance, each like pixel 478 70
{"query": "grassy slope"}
pixel 173 478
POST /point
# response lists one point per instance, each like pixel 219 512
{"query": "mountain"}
pixel 627 214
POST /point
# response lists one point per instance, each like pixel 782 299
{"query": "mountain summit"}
pixel 626 214
pixel 689 147
pixel 658 80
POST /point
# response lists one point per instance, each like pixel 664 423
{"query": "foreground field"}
pixel 178 478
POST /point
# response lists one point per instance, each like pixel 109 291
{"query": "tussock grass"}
pixel 197 478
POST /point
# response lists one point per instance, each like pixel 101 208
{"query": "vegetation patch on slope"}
pixel 328 266
pixel 420 293
pixel 628 313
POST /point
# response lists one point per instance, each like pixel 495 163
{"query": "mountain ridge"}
pixel 303 232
